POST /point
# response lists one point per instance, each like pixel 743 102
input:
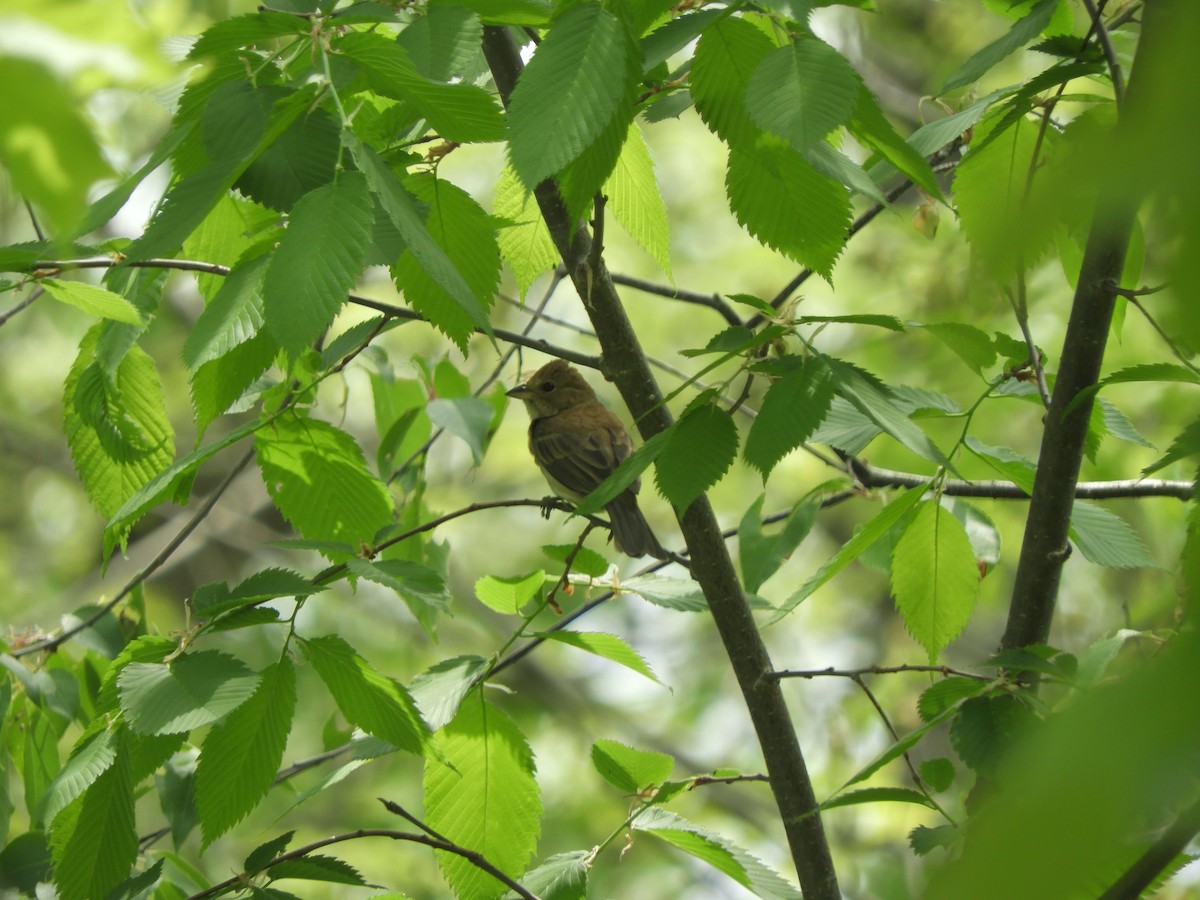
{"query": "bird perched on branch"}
pixel 577 443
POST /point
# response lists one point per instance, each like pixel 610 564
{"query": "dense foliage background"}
pixel 274 549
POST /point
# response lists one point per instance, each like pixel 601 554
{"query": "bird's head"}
pixel 552 388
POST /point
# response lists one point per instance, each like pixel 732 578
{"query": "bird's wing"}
pixel 577 459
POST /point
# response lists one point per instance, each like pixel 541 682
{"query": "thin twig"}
pixel 1106 47
pixel 476 859
pixel 831 672
pixel 712 301
pixel 51 644
pixel 24 304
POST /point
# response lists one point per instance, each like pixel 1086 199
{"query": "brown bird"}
pixel 577 443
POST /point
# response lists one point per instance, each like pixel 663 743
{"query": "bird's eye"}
pixel 548 386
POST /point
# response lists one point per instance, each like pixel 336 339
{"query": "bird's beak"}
pixel 520 392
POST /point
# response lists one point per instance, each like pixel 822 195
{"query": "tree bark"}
pixel 626 366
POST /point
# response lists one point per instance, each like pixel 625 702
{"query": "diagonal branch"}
pixel 626 366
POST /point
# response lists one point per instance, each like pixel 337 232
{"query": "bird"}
pixel 577 443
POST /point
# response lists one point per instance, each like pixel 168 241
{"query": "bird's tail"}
pixel 631 531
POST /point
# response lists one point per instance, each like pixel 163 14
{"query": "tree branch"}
pixel 626 366
pixel 712 301
pixel 1134 881
pixel 1044 549
pixel 476 859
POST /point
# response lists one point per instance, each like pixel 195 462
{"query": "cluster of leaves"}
pixel 295 166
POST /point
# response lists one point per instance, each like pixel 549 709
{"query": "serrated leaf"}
pixel 1186 444
pixel 973 346
pixel 607 646
pixel 624 475
pixel 457 112
pixel 935 577
pixel 193 690
pixel 802 92
pixel 871 128
pixel 508 595
pixel 701 448
pixel 480 792
pixel 444 41
pixel 401 208
pixel 985 728
pixel 245 31
pixel 871 532
pixel 1022 33
pixel 924 840
pixel 378 705
pixel 116 427
pixel 664 42
pixel 317 477
pixel 561 877
pixel 103 844
pixel 1106 539
pixel 635 200
pixel 584 560
pixel 720 853
pixel 671 593
pixel 630 770
pixel 791 410
pixel 523 238
pixel 569 92
pixel 728 53
pixel 898 748
pixel 240 756
pixel 318 260
pixel 87 763
pixel 878 795
pixel 233 317
pixel 267 851
pixel 422 589
pixel 760 555
pixel 441 688
pixel 778 197
pixel 317 867
pixel 467 418
pixel 464 232
pixel 1008 463
pixel 585 176
pixel 93 300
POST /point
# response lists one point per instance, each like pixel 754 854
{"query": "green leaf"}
pixel 727 55
pixel 508 595
pixel 376 704
pixel 584 560
pixel 945 695
pixel 778 197
pixel 420 587
pixel 635 200
pixel 701 448
pixel 480 793
pixel 585 175
pixel 116 427
pixel 193 690
pixel 1106 539
pixel 95 301
pixel 535 13
pixel 1008 463
pixel 103 844
pixel 871 128
pixel 246 31
pixel 900 747
pixel 214 599
pixel 986 728
pixel 608 646
pixel 871 532
pixel 303 158
pixel 89 761
pixel 467 236
pixel 761 555
pixel 240 756
pixel 870 397
pixel 667 40
pixel 1017 37
pixel 267 851
pixel 561 877
pixel 630 770
pixel 973 346
pixel 938 773
pixel 624 475
pixel 317 867
pixel 194 195
pixel 441 688
pixel 232 317
pixel 791 410
pixel 935 577
pixel 317 477
pixel 802 92
pixel 718 852
pixel 444 42
pixel 523 238
pixel 572 88
pixel 319 257
pixel 463 113
pixel 671 593
pixel 467 418
pixel 1186 444
pixel 46 146
pixel 878 795
pixel 924 840
pixel 401 208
